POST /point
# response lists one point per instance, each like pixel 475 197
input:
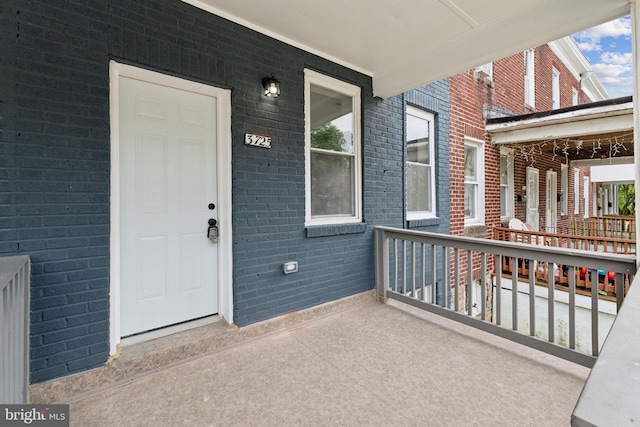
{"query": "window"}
pixel 473 181
pixel 576 191
pixel 506 185
pixel 332 148
pixel 555 89
pixel 421 189
pixel 586 196
pixel 574 96
pixel 529 79
pixel 564 189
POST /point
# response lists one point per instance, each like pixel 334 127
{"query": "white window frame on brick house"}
pixel 564 189
pixel 574 96
pixel 529 79
pixel 585 190
pixel 555 88
pixel 339 90
pixel 474 185
pixel 420 164
pixel 576 191
pixel 506 184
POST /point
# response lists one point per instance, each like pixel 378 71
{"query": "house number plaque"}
pixel 257 140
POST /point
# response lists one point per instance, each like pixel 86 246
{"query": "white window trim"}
pixel 480 218
pixel 429 117
pixel 313 77
pixel 530 79
pixel 564 189
pixel 586 196
pixel 574 96
pixel 508 153
pixel 576 191
pixel 555 89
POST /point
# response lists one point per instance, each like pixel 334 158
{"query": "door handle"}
pixel 212 232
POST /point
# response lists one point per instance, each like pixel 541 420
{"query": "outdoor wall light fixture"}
pixel 271 86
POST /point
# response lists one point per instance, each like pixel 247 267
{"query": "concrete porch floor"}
pixel 368 364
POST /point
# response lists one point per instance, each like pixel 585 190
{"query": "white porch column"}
pixel 635 42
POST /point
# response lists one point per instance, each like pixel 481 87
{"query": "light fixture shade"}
pixel 271 86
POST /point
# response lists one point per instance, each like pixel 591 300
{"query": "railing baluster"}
pixel 514 294
pixel 532 297
pixel 551 285
pixel 571 271
pixel 469 284
pixel 413 269
pixel 395 262
pixel 497 306
pixel 456 278
pixel 445 282
pixel 595 346
pixel 404 266
pixel 423 274
pixel 483 284
pixel 433 275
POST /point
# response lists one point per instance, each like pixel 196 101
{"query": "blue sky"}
pixel 608 47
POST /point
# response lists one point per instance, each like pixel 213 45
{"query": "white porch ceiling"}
pixel 406 44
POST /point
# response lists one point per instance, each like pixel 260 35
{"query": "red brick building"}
pixel 489 183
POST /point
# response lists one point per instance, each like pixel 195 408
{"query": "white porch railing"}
pixel 414 267
pixel 14 329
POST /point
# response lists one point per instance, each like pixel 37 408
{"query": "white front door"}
pixel 533 197
pixel 168 266
pixel 551 213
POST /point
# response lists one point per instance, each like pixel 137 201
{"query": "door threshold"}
pixel 168 330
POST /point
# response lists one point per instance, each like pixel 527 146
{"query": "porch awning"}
pixel 589 132
pixel 404 45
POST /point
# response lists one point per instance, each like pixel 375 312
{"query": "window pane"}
pixel 418 140
pixel 470 210
pixel 503 201
pixel 504 175
pixel 332 184
pixel 331 120
pixel 470 163
pixel 418 188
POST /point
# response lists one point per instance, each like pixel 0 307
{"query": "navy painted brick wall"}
pixel 54 181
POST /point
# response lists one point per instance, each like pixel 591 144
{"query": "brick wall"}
pixel 472 99
pixel 55 151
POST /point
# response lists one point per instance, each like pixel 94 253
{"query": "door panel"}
pixel 167 179
pixel 551 214
pixel 533 197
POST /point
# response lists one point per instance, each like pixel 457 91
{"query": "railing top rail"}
pixel 9 266
pixel 600 260
pixel 565 235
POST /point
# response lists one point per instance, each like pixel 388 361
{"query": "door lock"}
pixel 212 232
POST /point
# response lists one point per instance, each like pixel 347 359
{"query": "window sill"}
pixel 424 222
pixel 335 229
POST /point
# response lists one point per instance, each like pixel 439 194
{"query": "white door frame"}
pixel 223 168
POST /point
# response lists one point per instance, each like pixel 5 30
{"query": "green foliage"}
pixel 627 199
pixel 328 137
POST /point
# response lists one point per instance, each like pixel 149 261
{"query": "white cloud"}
pixel 617 28
pixel 610 70
pixel 616 58
pixel 589 46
